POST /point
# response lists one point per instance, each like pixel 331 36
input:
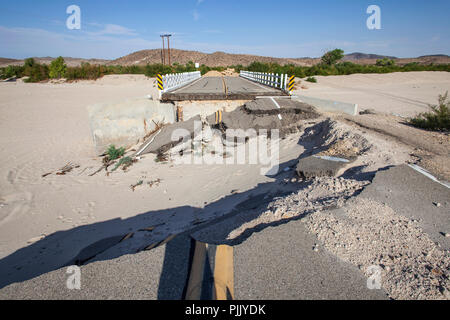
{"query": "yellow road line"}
pixel 225 90
pixel 224 273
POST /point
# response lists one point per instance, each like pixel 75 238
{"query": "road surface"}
pixel 221 88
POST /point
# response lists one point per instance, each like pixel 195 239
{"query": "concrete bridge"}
pixel 248 86
pixel 221 88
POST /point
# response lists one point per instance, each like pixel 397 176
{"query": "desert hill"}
pixel 222 59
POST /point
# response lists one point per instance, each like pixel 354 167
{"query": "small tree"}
pixel 58 68
pixel 331 57
pixel 29 62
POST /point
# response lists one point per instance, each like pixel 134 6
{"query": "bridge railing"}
pixel 279 81
pixel 173 81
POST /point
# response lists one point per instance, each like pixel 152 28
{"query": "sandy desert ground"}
pixel 403 94
pixel 45 126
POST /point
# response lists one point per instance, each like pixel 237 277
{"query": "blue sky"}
pixel 288 28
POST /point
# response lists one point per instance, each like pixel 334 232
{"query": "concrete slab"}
pixel 269 106
pixel 329 105
pixel 124 123
pixel 191 109
pixel 162 141
pixel 311 167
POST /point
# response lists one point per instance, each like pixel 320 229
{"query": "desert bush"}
pixel 438 118
pixel 125 162
pixel 86 71
pixel 36 73
pixel 151 70
pixel 385 62
pixel 57 68
pixel 311 79
pixel 258 67
pixel 113 153
pixel 11 71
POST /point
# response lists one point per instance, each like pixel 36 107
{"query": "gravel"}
pixel 371 233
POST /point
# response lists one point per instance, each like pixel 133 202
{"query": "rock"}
pixel 437 204
pixel 311 167
pixel 368 111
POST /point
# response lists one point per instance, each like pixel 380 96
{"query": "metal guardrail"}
pixel 173 81
pixel 279 81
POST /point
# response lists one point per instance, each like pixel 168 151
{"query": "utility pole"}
pixel 168 48
pixel 163 55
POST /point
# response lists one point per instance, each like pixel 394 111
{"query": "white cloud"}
pixel 199 2
pixel 27 42
pixel 114 29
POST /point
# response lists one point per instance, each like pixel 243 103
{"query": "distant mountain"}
pixel 361 56
pixel 7 61
pixel 224 59
pixel 435 56
pixel 364 58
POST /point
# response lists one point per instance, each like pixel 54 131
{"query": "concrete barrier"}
pixel 329 105
pixel 124 123
pixel 192 109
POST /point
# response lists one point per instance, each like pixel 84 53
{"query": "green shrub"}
pixel 11 71
pixel 57 68
pixel 86 71
pixel 125 162
pixel 437 119
pixel 151 70
pixel 385 62
pixel 113 153
pixel 311 79
pixel 36 73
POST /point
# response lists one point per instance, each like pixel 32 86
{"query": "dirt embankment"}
pixel 431 149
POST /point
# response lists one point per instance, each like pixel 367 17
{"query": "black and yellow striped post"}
pixel 218 117
pixel 291 84
pixel 159 79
